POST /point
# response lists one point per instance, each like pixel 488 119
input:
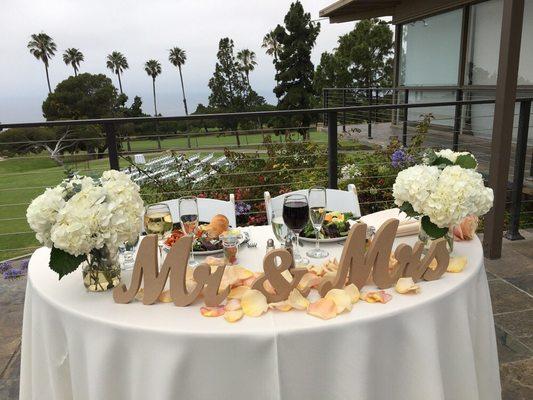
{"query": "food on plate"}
pixel 219 224
pixel 336 224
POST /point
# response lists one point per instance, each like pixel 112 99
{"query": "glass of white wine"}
pixel 317 198
pixel 278 225
pixel 158 221
pixel 188 209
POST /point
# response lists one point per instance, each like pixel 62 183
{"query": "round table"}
pixel 439 344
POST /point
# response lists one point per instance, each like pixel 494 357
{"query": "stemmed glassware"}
pixel 278 225
pixel 317 211
pixel 295 216
pixel 188 210
pixel 158 221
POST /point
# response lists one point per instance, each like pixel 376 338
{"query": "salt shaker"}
pixel 270 245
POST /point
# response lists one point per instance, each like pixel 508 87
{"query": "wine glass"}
pixel 317 212
pixel 295 216
pixel 278 225
pixel 188 209
pixel 158 221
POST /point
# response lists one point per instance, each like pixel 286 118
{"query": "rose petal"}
pixel 212 311
pixel 310 279
pixel 254 303
pixel 215 261
pixel 457 264
pixel 164 297
pixel 379 296
pixel 248 282
pixel 406 285
pixel 140 294
pixel 287 275
pixel 341 299
pixel 297 300
pixel 242 273
pixel 353 292
pixel 281 306
pixel 233 316
pixel 238 292
pixel 233 305
pixel 269 288
pixel 433 264
pixel 323 308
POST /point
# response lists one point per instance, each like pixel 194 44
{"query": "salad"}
pixel 202 241
pixel 335 225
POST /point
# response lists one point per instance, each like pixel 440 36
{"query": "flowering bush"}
pixel 82 214
pixel 443 194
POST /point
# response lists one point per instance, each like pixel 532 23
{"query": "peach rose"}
pixel 466 229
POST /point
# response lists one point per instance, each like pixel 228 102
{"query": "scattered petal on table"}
pixel 433 264
pixel 238 292
pixel 341 299
pixel 457 264
pixel 248 282
pixel 254 303
pixel 212 311
pixel 287 275
pixel 242 273
pixel 297 300
pixel 353 292
pixel 215 261
pixel 323 308
pixel 229 278
pixel 281 305
pixel 310 279
pixel 233 316
pixel 379 296
pixel 233 305
pixel 406 285
pixel 164 297
pixel 269 288
pixel 140 294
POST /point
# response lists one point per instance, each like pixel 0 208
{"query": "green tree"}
pixel 247 62
pixel 153 69
pixel 73 57
pixel 294 67
pixel 117 62
pixel 177 57
pixel 43 48
pixel 271 44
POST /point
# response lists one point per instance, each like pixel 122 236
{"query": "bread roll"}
pixel 219 223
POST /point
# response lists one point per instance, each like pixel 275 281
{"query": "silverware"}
pixel 247 240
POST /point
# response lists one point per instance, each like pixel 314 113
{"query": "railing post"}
pixel 369 122
pixel 325 105
pixel 344 112
pixel 457 119
pixel 405 115
pixel 112 148
pixel 519 167
pixel 332 150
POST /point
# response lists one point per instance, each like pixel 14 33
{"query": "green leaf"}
pixel 466 161
pixel 441 161
pixel 431 229
pixel 64 263
pixel 407 208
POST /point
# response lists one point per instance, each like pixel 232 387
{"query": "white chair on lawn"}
pixel 207 209
pixel 337 200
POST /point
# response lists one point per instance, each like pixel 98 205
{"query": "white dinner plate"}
pixel 207 252
pixel 328 240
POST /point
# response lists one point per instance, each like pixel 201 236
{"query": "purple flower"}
pixel 4 266
pixel 400 158
pixel 24 265
pixel 242 208
pixel 13 273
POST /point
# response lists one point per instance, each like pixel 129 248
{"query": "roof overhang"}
pixel 352 10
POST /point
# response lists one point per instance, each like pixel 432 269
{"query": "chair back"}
pixel 207 209
pixel 337 200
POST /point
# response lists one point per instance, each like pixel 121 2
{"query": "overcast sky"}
pixel 141 30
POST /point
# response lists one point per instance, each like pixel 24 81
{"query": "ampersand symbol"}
pixel 273 274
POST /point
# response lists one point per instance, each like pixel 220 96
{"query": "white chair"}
pixel 337 200
pixel 207 209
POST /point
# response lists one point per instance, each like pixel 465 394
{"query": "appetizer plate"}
pixel 326 240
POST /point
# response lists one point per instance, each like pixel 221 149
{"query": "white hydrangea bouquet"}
pixel 85 219
pixel 442 191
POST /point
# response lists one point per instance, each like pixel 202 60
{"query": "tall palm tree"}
pixel 271 44
pixel 247 62
pixel 153 69
pixel 73 57
pixel 117 62
pixel 43 48
pixel 177 57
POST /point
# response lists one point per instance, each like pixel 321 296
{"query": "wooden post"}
pixel 112 148
pixel 332 150
pixel 502 128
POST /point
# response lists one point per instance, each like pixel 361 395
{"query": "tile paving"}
pixel 511 288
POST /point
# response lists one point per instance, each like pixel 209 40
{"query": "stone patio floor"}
pixel 511 288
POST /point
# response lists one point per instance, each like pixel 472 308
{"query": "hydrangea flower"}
pixel 401 158
pixel 242 208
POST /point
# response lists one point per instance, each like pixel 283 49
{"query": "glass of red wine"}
pixel 188 210
pixel 295 216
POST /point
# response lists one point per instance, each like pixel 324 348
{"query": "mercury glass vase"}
pixel 101 271
pixel 425 238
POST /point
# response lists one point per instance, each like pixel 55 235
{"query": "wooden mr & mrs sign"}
pixel 355 266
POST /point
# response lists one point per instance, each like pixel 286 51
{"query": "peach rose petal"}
pixel 269 288
pixel 215 261
pixel 310 279
pixel 281 306
pixel 254 303
pixel 242 273
pixel 406 285
pixel 297 300
pixel 233 305
pixel 238 292
pixel 379 296
pixel 341 299
pixel 353 292
pixel 457 264
pixel 248 282
pixel 323 308
pixel 433 264
pixel 233 316
pixel 164 297
pixel 287 275
pixel 140 294
pixel 212 311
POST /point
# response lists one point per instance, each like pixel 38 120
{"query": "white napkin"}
pixel 408 226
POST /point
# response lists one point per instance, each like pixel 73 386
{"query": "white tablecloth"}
pixel 439 344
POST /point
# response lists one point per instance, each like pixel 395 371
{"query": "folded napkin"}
pixel 408 226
